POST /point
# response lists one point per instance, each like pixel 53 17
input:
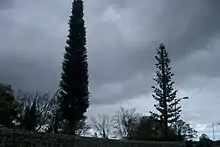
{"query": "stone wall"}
pixel 15 138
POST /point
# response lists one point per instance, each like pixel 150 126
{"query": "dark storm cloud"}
pixel 186 27
pixel 26 52
pixel 122 38
pixel 201 26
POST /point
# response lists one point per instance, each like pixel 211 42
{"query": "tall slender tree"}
pixel 74 93
pixel 164 93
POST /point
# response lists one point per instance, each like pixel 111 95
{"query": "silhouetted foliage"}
pixel 204 141
pixel 31 117
pixel 55 121
pixel 83 128
pixel 148 129
pixel 74 94
pixel 102 126
pixel 45 107
pixel 8 106
pixel 164 92
pixel 183 130
pixel 151 129
pixel 125 122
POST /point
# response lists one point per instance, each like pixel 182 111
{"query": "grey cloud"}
pixel 202 26
pixel 200 64
pixel 122 39
pixel 6 4
pixel 121 47
pixel 184 27
pixel 123 90
pixel 26 61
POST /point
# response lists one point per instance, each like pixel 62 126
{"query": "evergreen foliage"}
pixel 74 93
pixel 164 93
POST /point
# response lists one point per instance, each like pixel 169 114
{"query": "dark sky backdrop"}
pixel 122 38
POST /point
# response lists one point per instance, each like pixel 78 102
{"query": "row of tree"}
pixel 65 111
pixel 32 112
pixel 74 95
pixel 68 106
pixel 39 112
pixel 128 124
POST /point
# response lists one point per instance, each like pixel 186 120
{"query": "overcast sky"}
pixel 122 39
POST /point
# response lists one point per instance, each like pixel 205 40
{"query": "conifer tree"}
pixel 164 93
pixel 74 93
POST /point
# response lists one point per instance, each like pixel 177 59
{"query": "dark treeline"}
pixel 64 112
